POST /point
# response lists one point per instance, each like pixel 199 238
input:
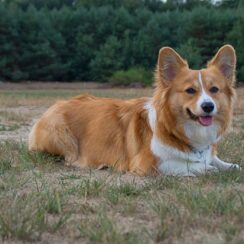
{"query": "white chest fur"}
pixel 175 162
pixel 201 136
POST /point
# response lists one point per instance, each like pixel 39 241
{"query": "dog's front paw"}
pixel 235 167
pixel 223 166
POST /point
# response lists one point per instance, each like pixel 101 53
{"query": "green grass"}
pixel 42 200
pixel 26 215
pixel 103 229
pixel 9 127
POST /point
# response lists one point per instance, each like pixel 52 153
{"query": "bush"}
pixel 131 77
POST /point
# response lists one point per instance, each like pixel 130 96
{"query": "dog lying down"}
pixel 174 132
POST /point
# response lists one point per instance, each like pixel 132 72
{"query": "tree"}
pixel 236 38
pixel 8 46
pixel 90 40
pixel 107 60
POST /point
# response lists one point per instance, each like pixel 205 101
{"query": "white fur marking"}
pixel 204 97
pixel 201 136
pixel 176 162
pixel 151 114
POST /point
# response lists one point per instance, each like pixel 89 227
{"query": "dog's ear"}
pixel 169 65
pixel 225 61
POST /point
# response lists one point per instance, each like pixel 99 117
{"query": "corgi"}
pixel 175 132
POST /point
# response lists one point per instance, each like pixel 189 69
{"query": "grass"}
pixel 103 229
pixel 13 98
pixel 43 201
pixel 43 196
pixel 12 116
pixel 9 127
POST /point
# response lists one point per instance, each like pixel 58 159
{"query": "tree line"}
pixel 91 40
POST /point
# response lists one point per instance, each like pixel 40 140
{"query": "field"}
pixel 43 201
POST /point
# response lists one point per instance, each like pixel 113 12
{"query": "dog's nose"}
pixel 207 107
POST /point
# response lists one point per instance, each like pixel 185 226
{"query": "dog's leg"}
pixel 143 163
pixel 79 164
pixel 221 165
pixel 69 148
pixel 54 138
pixel 70 158
pixel 184 168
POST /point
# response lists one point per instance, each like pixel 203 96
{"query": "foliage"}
pixel 92 40
pixel 132 76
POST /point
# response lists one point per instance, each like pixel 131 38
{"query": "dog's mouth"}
pixel 205 120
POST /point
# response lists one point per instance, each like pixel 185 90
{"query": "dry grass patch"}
pixel 46 97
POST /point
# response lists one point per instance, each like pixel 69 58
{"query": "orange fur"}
pixel 90 131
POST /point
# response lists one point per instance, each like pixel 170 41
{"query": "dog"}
pixel 175 132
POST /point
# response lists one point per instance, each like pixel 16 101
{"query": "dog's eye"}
pixel 214 89
pixel 190 90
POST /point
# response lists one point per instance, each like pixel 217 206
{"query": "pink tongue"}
pixel 205 120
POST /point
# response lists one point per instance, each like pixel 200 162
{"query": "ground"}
pixel 43 201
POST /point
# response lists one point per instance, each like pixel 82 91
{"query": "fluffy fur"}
pixel 169 132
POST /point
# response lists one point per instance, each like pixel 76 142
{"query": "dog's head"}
pixel 202 98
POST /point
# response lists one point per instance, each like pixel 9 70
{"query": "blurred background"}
pixel 112 41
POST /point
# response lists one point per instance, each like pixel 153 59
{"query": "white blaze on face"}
pixel 204 97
